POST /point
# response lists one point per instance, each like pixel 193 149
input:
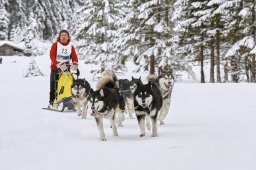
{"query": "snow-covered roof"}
pixel 10 43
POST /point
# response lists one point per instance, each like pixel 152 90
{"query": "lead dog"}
pixel 147 103
pixel 104 103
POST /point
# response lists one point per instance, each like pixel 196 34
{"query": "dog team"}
pixel 114 97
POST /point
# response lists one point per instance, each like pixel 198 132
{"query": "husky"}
pixel 105 102
pixel 165 84
pixel 80 92
pixel 134 82
pixel 147 103
pixel 105 75
pixel 126 89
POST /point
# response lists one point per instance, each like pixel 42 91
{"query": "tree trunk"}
pixel 253 69
pixel 202 63
pixel 152 65
pixel 212 61
pixel 247 63
pixel 234 69
pixel 218 56
pixel 254 36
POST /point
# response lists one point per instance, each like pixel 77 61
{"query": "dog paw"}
pixel 154 135
pixel 161 122
pixel 103 139
pixel 142 135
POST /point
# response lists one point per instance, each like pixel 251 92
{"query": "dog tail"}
pixel 152 77
pixel 105 81
pixel 148 125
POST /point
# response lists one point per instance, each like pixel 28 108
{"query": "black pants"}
pixel 53 85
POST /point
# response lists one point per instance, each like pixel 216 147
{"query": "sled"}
pixel 64 99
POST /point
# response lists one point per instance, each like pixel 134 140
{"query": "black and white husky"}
pixel 147 103
pixel 126 89
pixel 134 82
pixel 104 103
pixel 80 92
pixel 166 83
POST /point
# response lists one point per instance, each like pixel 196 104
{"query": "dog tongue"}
pixel 93 113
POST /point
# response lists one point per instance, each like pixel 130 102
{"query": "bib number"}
pixel 64 51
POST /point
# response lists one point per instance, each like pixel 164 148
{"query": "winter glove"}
pixel 62 67
pixel 73 68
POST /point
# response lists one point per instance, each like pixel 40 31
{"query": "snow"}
pixel 247 41
pixel 209 126
pixel 244 12
pixel 11 44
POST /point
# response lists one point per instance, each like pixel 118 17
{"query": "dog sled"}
pixel 63 100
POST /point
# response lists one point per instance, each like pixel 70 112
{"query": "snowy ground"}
pixel 209 127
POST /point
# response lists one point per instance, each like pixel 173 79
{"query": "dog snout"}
pixel 169 83
pixel 93 108
pixel 143 101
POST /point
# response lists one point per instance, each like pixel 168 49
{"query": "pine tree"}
pixel 33 69
pixel 240 35
pixel 16 35
pixel 100 22
pixel 191 17
pixel 216 18
pixel 30 34
pixel 4 20
pixel 147 35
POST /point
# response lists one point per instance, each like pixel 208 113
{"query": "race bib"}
pixel 63 52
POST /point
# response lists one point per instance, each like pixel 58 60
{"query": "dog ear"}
pixel 101 93
pixel 84 81
pixel 150 84
pixel 132 78
pixel 140 78
pixel 91 91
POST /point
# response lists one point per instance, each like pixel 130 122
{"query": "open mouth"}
pixel 144 105
pixel 94 113
pixel 167 86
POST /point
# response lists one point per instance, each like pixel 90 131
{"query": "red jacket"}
pixel 53 54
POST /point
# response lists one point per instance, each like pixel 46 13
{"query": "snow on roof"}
pixel 11 44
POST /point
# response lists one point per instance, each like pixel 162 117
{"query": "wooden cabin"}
pixel 9 48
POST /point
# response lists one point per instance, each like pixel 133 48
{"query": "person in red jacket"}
pixel 61 53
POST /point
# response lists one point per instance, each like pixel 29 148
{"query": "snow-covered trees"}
pixel 4 20
pixel 33 69
pixel 191 26
pixel 31 33
pixel 51 16
pixel 100 21
pixel 151 32
pixel 147 33
pixel 227 29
